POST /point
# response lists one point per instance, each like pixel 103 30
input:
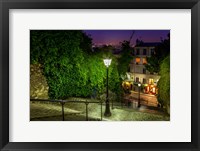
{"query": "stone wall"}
pixel 38 83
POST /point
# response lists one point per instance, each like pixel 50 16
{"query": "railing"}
pixel 62 102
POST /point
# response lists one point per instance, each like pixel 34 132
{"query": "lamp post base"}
pixel 107 114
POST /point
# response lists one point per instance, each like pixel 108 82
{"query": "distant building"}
pixel 138 73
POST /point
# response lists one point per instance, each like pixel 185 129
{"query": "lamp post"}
pixel 107 113
pixel 139 85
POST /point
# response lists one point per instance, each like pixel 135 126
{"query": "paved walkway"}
pixel 75 112
pixel 146 99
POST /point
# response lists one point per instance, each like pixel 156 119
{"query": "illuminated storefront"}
pixel 127 85
pixel 151 89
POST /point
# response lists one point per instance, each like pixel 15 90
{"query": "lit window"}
pixel 137 60
pixel 154 90
pixel 148 89
pixel 150 81
pixel 144 60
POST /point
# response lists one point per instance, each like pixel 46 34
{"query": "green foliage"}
pixel 124 60
pixel 98 76
pixel 161 51
pixel 115 81
pixel 112 96
pixel 70 66
pixel 106 49
pixel 164 83
pixel 153 64
pixel 159 62
pixel 57 52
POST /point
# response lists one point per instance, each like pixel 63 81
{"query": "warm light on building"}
pixel 139 72
pixel 144 60
pixel 127 85
pixel 150 81
pixel 137 60
pixel 151 89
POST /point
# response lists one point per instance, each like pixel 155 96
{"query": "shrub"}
pixel 164 84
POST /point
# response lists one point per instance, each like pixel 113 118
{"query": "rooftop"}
pixel 147 44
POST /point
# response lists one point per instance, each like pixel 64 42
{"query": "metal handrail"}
pixel 67 101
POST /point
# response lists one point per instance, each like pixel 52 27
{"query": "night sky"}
pixel 116 36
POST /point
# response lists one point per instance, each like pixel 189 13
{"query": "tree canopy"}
pixel 159 62
pixel 161 51
pixel 125 59
pixel 70 65
pixel 164 83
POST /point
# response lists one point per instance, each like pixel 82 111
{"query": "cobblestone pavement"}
pixel 146 99
pixel 41 110
pixel 76 112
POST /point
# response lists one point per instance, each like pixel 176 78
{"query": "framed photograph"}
pixel 99 75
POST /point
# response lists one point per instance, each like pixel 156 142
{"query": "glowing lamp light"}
pixel 139 84
pixel 107 62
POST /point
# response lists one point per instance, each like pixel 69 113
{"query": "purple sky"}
pixel 116 36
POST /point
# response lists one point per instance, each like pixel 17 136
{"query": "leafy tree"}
pixel 70 65
pixel 161 51
pixel 62 57
pixel 164 83
pixel 159 62
pixel 86 43
pixel 124 60
pixel 104 48
pixel 98 71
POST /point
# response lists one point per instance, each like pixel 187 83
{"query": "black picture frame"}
pixel 5 5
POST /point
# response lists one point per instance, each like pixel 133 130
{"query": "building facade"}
pixel 138 73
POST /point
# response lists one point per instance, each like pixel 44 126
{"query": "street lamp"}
pixel 139 85
pixel 107 113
